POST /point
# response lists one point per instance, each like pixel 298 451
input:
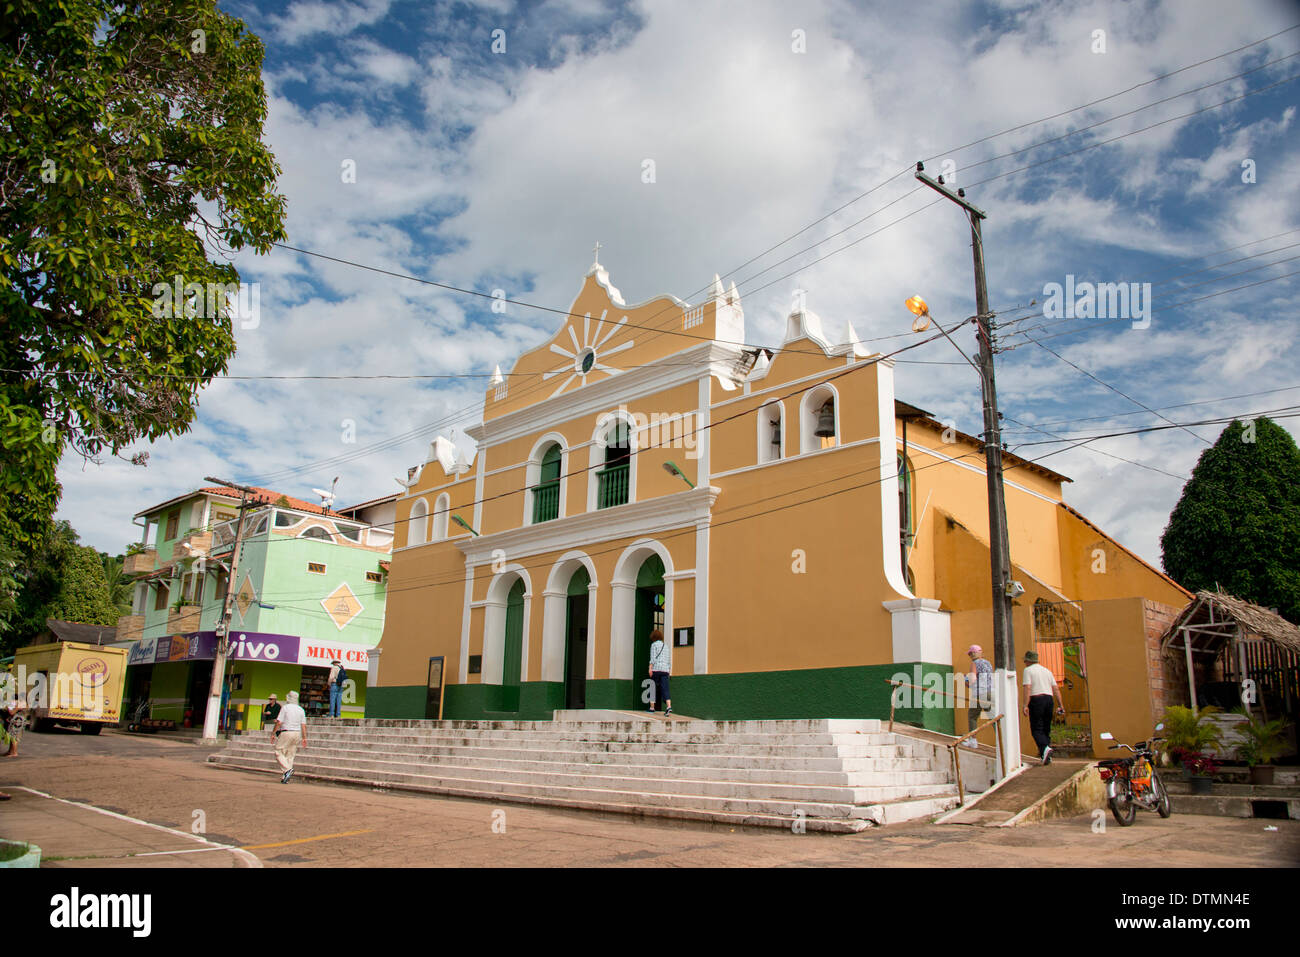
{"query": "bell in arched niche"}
pixel 826 420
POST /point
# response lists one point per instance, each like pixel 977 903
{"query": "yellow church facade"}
pixel 800 535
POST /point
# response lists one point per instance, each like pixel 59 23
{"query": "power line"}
pixel 1164 408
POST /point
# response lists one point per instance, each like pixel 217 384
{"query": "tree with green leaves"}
pixel 1237 523
pixel 38 574
pixel 83 594
pixel 131 165
pixel 121 589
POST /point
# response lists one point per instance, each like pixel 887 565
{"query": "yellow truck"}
pixel 67 681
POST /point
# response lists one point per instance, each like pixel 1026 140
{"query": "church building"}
pixel 800 535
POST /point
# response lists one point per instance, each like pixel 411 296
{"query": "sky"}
pixel 490 145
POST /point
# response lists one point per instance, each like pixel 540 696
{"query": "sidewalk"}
pixel 71 834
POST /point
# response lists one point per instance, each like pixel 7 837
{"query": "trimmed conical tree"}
pixel 84 596
pixel 1237 523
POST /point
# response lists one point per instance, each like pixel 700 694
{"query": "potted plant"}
pixel 1262 743
pixel 1201 769
pixel 1189 732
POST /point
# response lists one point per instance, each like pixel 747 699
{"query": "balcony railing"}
pixel 613 488
pixel 140 563
pixel 129 627
pixel 200 542
pixel 183 619
pixel 546 502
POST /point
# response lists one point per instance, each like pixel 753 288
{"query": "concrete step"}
pixel 843 772
pixel 882 788
pixel 634 723
pixel 854 748
pixel 661 737
pixel 1176 785
pixel 829 774
pixel 783 807
pixel 1218 805
pixel 871 757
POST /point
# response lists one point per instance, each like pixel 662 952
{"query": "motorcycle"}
pixel 1132 783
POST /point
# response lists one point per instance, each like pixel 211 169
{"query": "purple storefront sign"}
pixel 244 646
pixel 255 646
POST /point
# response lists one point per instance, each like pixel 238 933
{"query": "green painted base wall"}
pixel 860 692
pixel 396 701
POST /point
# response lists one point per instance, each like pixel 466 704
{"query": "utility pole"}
pixel 212 716
pixel 1004 589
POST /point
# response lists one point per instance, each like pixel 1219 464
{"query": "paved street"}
pixel 165 783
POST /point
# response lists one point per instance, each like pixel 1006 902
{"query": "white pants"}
pixel 286 746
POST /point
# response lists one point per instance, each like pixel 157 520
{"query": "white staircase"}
pixel 818 774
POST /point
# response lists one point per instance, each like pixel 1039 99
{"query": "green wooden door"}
pixel 514 648
pixel 575 641
pixel 649 616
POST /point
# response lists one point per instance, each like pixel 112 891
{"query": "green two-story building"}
pixel 309 588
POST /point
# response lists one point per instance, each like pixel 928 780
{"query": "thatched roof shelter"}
pixel 1215 620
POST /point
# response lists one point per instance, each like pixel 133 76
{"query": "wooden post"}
pixel 956 771
pixel 1191 669
pixel 1001 750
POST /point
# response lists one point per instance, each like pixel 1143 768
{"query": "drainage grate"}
pixel 1275 810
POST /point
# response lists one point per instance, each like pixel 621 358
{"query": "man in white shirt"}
pixel 1038 689
pixel 290 734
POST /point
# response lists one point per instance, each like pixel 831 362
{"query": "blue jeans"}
pixel 336 698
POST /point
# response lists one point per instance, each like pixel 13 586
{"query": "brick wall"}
pixel 1166 676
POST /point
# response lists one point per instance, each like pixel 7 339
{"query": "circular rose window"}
pixel 586 359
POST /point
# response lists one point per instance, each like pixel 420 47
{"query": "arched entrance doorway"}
pixel 575 640
pixel 513 650
pixel 649 615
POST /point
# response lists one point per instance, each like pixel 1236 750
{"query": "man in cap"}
pixel 290 734
pixel 270 712
pixel 1039 688
pixel 979 689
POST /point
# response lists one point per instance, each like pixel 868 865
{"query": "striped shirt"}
pixel 661 658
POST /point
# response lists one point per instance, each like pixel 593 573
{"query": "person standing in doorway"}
pixel 661 665
pixel 979 689
pixel 337 677
pixel 290 735
pixel 1039 690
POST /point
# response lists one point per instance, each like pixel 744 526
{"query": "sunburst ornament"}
pixel 588 353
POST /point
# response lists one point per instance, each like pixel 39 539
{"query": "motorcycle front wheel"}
pixel 1162 797
pixel 1123 809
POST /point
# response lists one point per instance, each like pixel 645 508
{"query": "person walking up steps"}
pixel 661 665
pixel 1040 688
pixel 290 734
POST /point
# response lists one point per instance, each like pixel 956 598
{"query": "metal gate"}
pixel 1062 648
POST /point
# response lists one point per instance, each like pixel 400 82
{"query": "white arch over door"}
pixel 623 603
pixel 555 612
pixel 494 623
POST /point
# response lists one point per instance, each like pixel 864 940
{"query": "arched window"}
pixel 819 412
pixel 441 512
pixel 771 437
pixel 418 527
pixel 317 531
pixel 546 493
pixel 907 533
pixel 615 477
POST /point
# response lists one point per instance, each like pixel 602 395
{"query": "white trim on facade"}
pixel 654 516
pixel 533 473
pixel 622 621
